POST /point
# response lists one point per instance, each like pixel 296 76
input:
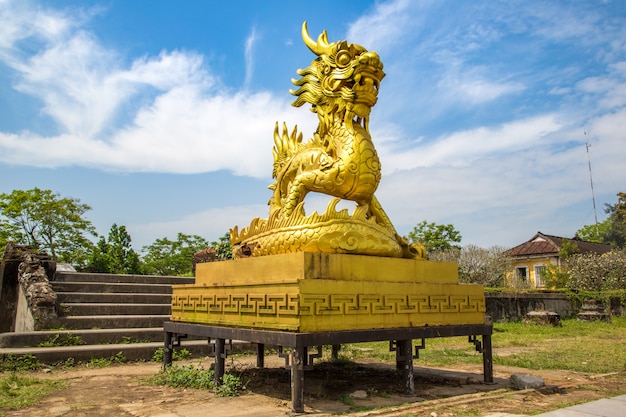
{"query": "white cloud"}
pixel 610 88
pixel 184 132
pixel 73 83
pixel 211 224
pixel 83 85
pixel 468 90
pixel 608 151
pixel 384 26
pixel 181 132
pixel 517 193
pixel 20 20
pixel 186 121
pixel 249 55
pixel 464 147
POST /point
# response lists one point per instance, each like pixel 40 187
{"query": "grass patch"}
pixel 595 347
pixel 177 355
pixel 104 362
pixel 199 378
pixel 130 340
pixel 62 340
pixel 16 363
pixel 20 391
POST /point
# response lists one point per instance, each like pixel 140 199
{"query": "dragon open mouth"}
pixel 365 87
pixel 364 95
pixel 366 82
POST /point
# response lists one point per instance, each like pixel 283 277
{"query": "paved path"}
pixel 607 407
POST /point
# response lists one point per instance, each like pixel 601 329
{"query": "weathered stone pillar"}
pixel 27 300
pixel 37 295
pixel 9 287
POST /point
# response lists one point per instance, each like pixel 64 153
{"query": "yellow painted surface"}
pixel 309 292
pixel 308 265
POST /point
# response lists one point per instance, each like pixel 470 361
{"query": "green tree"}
pixel 47 222
pixel 223 247
pixel 616 235
pixel 115 256
pixel 98 261
pixel 436 237
pixel 167 257
pixel 5 234
pixel 568 248
pixel 555 276
pixel 594 233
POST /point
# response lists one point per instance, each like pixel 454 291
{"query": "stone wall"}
pixel 510 306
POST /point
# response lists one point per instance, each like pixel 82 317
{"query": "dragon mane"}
pixel 331 83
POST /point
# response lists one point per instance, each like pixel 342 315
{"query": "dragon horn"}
pixel 318 48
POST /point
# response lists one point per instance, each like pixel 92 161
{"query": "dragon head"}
pixel 344 78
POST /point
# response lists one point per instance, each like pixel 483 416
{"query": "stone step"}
pixel 132 298
pixel 104 287
pixel 90 337
pixel 65 276
pixel 103 309
pixel 85 353
pixel 111 321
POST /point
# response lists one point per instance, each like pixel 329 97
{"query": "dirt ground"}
pixel 122 391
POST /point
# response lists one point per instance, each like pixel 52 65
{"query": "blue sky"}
pixel 160 114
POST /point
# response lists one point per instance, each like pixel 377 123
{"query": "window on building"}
pixel 521 275
pixel 539 271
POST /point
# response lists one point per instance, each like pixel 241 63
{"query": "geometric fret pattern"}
pixel 254 304
pixel 343 304
pixel 282 304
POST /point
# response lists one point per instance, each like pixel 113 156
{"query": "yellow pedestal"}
pixel 313 292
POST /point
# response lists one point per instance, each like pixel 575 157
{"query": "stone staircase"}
pixel 102 315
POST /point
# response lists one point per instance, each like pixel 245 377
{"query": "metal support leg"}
pixel 219 360
pixel 260 355
pixel 297 379
pixel 168 349
pixel 405 349
pixel 487 359
pixel 335 352
pixel 394 346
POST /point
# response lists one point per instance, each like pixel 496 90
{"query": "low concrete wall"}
pixel 514 306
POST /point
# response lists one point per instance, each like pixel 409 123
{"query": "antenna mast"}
pixel 593 197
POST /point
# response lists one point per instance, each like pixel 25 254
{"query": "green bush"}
pixel 593 272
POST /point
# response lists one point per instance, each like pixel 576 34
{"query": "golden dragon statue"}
pixel 341 85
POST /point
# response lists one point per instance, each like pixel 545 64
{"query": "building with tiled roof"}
pixel 529 258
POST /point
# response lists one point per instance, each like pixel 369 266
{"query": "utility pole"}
pixel 593 197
